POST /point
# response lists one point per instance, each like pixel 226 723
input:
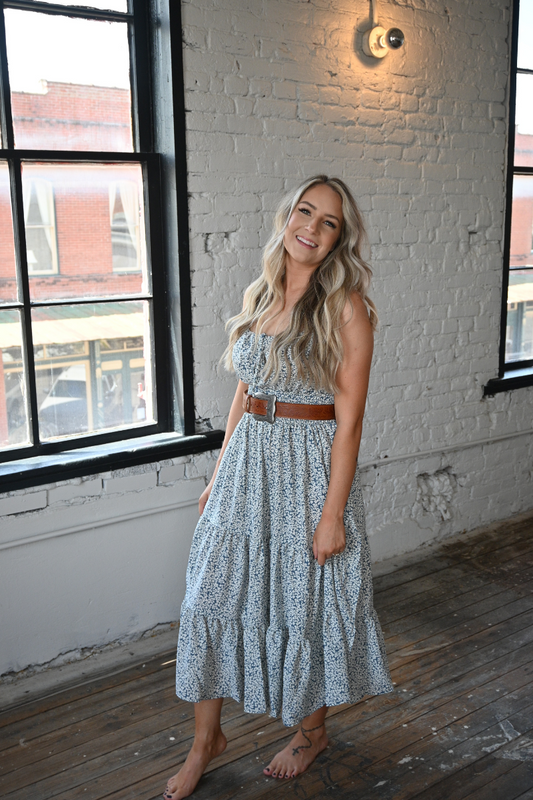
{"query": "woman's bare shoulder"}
pixel 355 315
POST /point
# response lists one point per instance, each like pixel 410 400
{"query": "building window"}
pixel 84 360
pixel 40 224
pixel 517 316
pixel 125 214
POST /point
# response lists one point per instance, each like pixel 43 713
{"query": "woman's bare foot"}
pixel 184 782
pixel 301 751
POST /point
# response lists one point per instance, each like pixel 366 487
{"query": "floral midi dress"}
pixel 261 621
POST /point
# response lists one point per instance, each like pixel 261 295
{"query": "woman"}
pixel 278 610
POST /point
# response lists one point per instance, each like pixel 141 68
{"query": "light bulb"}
pixel 378 41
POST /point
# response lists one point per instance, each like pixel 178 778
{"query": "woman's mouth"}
pixel 306 242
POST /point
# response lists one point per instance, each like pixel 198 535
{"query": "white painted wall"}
pixel 95 561
pixel 278 90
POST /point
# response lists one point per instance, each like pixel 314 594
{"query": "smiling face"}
pixel 314 227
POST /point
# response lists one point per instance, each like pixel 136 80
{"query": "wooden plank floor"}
pixel 459 725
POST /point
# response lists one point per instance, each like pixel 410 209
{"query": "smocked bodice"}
pixel 249 358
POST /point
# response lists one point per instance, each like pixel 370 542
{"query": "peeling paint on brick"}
pixel 435 493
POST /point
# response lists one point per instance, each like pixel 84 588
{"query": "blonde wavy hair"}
pixel 314 332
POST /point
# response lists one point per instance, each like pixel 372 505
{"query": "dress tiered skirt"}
pixel 261 622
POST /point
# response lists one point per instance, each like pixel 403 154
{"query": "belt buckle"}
pixel 270 409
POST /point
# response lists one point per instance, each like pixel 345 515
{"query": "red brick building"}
pixel 522 233
pixel 67 116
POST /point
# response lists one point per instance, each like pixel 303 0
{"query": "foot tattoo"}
pixel 296 750
pixel 296 757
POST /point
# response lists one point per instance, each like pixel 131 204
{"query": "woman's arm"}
pixel 235 413
pixel 352 379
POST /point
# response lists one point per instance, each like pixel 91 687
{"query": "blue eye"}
pixel 304 210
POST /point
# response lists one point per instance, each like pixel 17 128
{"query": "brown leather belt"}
pixel 265 407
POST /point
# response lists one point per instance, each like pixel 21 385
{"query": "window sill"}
pixel 103 458
pixel 517 379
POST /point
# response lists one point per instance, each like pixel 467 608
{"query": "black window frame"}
pixel 517 374
pixel 44 462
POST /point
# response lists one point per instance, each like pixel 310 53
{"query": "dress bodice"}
pixel 249 358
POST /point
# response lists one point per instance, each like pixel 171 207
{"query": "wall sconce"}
pixel 378 41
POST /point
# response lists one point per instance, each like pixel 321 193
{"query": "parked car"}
pixel 64 409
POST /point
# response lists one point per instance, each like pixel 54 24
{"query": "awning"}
pixel 64 327
pixel 520 293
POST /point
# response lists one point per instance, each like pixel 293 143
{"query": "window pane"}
pixel 8 274
pixel 85 230
pixel 94 367
pixel 73 92
pixel 522 222
pixel 524 121
pixel 519 335
pixel 105 5
pixel 14 429
pixel 525 34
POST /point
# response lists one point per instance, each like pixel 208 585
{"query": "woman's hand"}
pixel 204 497
pixel 235 413
pixel 329 539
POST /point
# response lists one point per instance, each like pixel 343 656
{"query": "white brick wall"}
pixel 277 90
pixel 109 487
pixel 280 90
